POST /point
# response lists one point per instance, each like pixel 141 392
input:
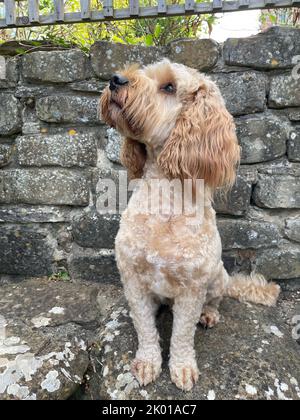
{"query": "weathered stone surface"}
pixel 98 266
pixel 25 251
pixel 94 230
pixel 55 66
pixel 262 137
pixel 201 54
pixel 283 263
pixel 277 191
pixel 292 228
pixel 29 92
pixel 68 109
pixel 107 57
pixel 294 145
pixel 91 85
pixel 235 362
pixel 5 154
pixel 45 330
pixel 11 73
pixel 57 150
pixel 294 114
pixel 244 93
pixel 54 187
pixel 247 234
pixel 113 146
pixel 13 48
pixel 35 214
pixel 284 91
pixel 275 48
pixel 237 200
pixel 10 114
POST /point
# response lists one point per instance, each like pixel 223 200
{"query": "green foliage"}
pixel 147 32
pixel 61 275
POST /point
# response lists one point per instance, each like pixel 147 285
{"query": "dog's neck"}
pixel 152 171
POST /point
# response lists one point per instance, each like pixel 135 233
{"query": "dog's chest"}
pixel 167 254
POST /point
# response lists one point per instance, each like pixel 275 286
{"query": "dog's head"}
pixel 178 113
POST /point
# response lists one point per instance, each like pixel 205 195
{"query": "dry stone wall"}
pixel 54 150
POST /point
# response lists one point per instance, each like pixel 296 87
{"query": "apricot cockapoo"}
pixel 175 127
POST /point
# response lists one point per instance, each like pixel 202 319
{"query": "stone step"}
pixel 57 335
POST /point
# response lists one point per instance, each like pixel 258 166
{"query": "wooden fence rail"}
pixel 133 11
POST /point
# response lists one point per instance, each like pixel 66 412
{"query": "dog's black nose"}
pixel 117 80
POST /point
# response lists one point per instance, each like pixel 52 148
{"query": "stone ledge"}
pixel 250 355
pixel 46 328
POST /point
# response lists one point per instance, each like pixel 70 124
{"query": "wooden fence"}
pixel 133 11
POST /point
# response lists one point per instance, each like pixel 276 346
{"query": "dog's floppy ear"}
pixel 133 157
pixel 203 144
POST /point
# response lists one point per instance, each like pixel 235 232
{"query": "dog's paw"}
pixel 184 375
pixel 146 371
pixel 210 317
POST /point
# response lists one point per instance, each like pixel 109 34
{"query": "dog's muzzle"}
pixel 117 81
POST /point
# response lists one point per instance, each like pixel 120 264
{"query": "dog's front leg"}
pixel 146 366
pixel 183 366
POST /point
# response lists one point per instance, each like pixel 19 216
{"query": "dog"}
pixel 175 127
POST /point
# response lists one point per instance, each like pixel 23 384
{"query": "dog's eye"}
pixel 169 88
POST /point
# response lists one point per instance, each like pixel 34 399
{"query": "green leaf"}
pixel 157 30
pixel 149 40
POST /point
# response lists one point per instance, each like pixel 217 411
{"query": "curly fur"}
pixel 187 134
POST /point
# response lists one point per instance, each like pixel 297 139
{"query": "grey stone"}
pixel 11 73
pixel 283 263
pixel 46 328
pixel 57 150
pixel 294 114
pixel 38 186
pixel 5 154
pixel 25 251
pixel 34 214
pixel 94 230
pixel 284 91
pixel 292 228
pixel 113 146
pixel 277 191
pixel 237 200
pixel 10 114
pixel 29 92
pixel 55 66
pixel 68 109
pixel 90 85
pixel 247 234
pixel 201 54
pixel 107 58
pixel 271 49
pixel 262 137
pixel 294 145
pixel 244 93
pixel 98 266
pixel 235 363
